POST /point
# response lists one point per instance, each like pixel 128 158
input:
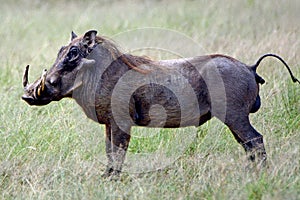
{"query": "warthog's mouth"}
pixel 37 102
pixel 33 92
pixel 29 100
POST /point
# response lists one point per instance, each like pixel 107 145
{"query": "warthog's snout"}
pixel 53 85
pixel 28 99
pixel 33 92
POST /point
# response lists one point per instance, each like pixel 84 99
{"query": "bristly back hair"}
pixel 130 60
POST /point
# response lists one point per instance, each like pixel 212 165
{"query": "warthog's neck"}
pixel 95 94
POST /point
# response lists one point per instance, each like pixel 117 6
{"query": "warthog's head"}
pixel 59 81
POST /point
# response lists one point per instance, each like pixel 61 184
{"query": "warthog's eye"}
pixel 73 54
pixel 70 61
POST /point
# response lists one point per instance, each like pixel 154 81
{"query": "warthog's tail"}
pixel 254 67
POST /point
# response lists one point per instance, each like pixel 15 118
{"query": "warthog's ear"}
pixel 73 36
pixel 89 38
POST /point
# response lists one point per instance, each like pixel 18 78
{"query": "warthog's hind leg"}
pixel 249 138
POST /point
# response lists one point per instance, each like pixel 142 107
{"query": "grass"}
pixel 54 152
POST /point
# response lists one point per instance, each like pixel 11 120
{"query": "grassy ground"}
pixel 54 152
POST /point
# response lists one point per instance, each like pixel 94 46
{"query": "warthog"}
pixel 123 90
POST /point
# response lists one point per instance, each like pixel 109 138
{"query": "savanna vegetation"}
pixel 55 152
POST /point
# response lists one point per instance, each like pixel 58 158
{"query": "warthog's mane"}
pixel 132 61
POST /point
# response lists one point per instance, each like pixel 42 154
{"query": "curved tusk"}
pixel 25 76
pixel 42 84
pixel 44 74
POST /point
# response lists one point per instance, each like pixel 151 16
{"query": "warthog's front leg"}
pixel 116 142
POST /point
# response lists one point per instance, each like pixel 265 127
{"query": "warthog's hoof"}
pixel 111 174
pixel 258 160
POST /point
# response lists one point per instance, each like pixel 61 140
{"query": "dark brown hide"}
pixel 122 90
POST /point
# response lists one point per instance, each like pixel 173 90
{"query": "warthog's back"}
pixel 178 92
